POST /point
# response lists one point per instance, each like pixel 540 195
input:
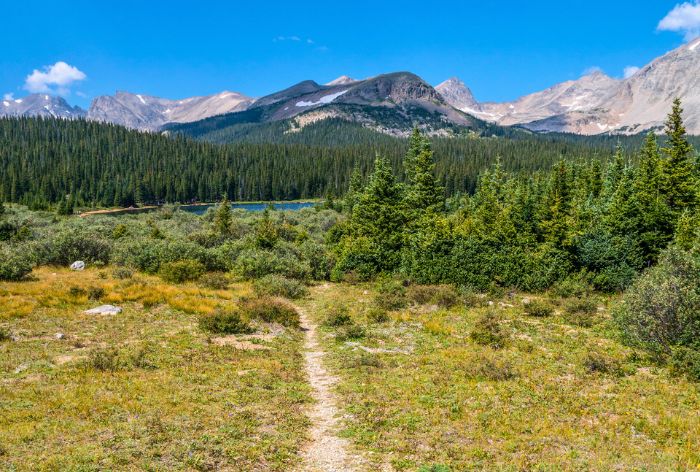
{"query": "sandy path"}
pixel 326 452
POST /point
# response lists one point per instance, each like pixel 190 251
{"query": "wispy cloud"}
pixel 279 39
pixel 56 78
pixel 684 18
pixel 301 40
pixel 630 71
pixel 8 96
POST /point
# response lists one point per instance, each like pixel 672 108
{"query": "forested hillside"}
pixel 43 161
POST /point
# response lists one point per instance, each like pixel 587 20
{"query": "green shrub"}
pixel 105 360
pixel 600 363
pixel 338 315
pixel 377 315
pixel 391 295
pixel 581 312
pixel 77 292
pixel 489 367
pixel 686 362
pixel 4 335
pixel 577 285
pixel 488 331
pixel 14 265
pixel 182 271
pixel 661 310
pixel 256 263
pixel 538 308
pixel 271 310
pixel 95 293
pixel 443 296
pixel 215 281
pixel 365 359
pixel 76 244
pixel 350 332
pixel 224 321
pixel 280 286
pixel 122 273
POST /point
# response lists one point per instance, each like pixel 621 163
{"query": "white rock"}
pixel 104 310
pixel 77 265
pixel 59 336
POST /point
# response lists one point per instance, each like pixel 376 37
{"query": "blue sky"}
pixel 176 49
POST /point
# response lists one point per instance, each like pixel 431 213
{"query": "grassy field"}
pixel 145 389
pixel 432 386
pixel 422 394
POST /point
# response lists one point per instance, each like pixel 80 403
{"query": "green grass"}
pixel 420 393
pixel 149 390
pixel 173 401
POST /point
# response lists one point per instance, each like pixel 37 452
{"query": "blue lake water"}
pixel 201 209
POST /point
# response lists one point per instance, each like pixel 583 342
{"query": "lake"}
pixel 293 206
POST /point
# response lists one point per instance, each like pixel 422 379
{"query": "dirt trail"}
pixel 326 452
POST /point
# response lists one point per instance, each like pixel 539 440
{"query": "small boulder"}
pixel 77 265
pixel 104 310
pixel 59 336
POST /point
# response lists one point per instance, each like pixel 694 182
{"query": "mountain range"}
pixel 394 103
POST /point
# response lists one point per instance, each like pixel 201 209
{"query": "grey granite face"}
pixel 597 103
pixel 39 104
pixel 149 113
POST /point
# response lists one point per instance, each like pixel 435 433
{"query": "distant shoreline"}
pixel 143 209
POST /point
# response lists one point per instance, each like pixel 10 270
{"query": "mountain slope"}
pixel 151 113
pixel 597 103
pixel 391 104
pixel 40 105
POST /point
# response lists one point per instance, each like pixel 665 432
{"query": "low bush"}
pixel 489 367
pixel 365 359
pixel 661 310
pixel 350 333
pixel 338 315
pixel 581 312
pixel 377 315
pixel 77 292
pixel 538 308
pixel 686 362
pixel 443 296
pixel 4 335
pixel 95 293
pixel 577 285
pixel 215 281
pixel 280 286
pixel 488 331
pixel 391 295
pixel 600 363
pixel 104 360
pixel 224 321
pixel 271 310
pixel 181 271
pixel 14 265
pixel 122 273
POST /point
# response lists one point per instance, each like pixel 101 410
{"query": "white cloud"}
pixel 8 96
pixel 630 71
pixel 57 78
pixel 684 18
pixel 287 38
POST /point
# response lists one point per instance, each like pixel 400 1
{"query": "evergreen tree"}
pixel 223 217
pixel 424 192
pixel 354 190
pixel 379 214
pixel 680 184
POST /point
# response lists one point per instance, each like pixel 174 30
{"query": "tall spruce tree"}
pixel 680 180
pixel 223 216
pixel 424 193
pixel 380 214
